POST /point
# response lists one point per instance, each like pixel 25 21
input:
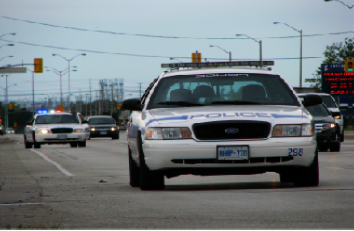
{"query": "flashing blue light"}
pixel 42 111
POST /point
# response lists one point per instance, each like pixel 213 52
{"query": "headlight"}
pixel 113 129
pixel 289 130
pixel 337 117
pixel 167 133
pixel 42 131
pixel 78 130
pixel 328 126
pixel 93 129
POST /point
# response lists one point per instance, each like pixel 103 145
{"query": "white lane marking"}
pixel 19 204
pixel 62 169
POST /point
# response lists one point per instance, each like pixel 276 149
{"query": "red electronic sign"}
pixel 335 81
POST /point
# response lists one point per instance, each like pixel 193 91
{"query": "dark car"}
pixel 326 130
pixel 103 126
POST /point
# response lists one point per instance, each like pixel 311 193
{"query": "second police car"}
pixel 214 119
pixel 55 128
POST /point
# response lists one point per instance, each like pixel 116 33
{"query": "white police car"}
pixel 218 120
pixel 54 128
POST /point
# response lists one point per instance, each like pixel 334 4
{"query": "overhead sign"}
pixel 336 81
pixel 5 70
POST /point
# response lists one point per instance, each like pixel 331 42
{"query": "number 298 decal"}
pixel 295 151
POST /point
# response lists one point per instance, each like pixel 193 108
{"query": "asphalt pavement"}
pixel 20 191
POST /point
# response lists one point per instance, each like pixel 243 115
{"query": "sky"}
pixel 128 40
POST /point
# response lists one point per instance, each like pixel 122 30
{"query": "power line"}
pixel 162 36
pixel 136 55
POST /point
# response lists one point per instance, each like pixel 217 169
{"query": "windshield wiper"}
pixel 236 102
pixel 181 103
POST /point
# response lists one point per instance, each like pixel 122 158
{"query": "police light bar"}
pixel 42 111
pixel 218 64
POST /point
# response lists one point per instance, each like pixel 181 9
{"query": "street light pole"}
pixel 260 47
pixel 69 60
pixel 300 31
pixel 10 56
pixel 229 52
pixel 350 7
pixel 60 73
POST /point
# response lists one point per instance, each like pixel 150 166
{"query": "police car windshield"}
pixel 318 110
pixel 237 89
pixel 328 100
pixel 101 120
pixel 54 119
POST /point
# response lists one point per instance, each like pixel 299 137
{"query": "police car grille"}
pixel 61 130
pixel 224 130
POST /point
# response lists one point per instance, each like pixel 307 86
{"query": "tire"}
pixel 342 137
pixel 322 148
pixel 335 146
pixel 73 145
pixel 308 176
pixel 27 144
pixel 35 144
pixel 286 177
pixel 115 137
pixel 82 144
pixel 149 180
pixel 134 171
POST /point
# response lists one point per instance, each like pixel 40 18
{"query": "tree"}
pixel 336 53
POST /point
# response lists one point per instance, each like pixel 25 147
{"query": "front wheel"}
pixel 149 180
pixel 308 176
pixel 27 144
pixel 82 144
pixel 286 177
pixel 35 144
pixel 335 147
pixel 73 145
pixel 134 171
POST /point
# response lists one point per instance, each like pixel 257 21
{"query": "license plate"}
pixel 62 137
pixel 103 133
pixel 232 153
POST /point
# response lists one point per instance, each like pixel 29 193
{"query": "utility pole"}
pixel 90 98
pixel 140 89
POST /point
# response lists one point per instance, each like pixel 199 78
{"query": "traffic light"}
pixel 0 121
pixel 118 106
pixel 38 65
pixel 11 107
pixel 61 107
pixel 196 59
pixel 348 66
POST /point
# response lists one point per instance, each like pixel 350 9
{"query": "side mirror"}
pixel 132 105
pixel 311 100
pixel 30 123
pixel 336 114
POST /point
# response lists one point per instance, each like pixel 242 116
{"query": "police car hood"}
pixel 270 113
